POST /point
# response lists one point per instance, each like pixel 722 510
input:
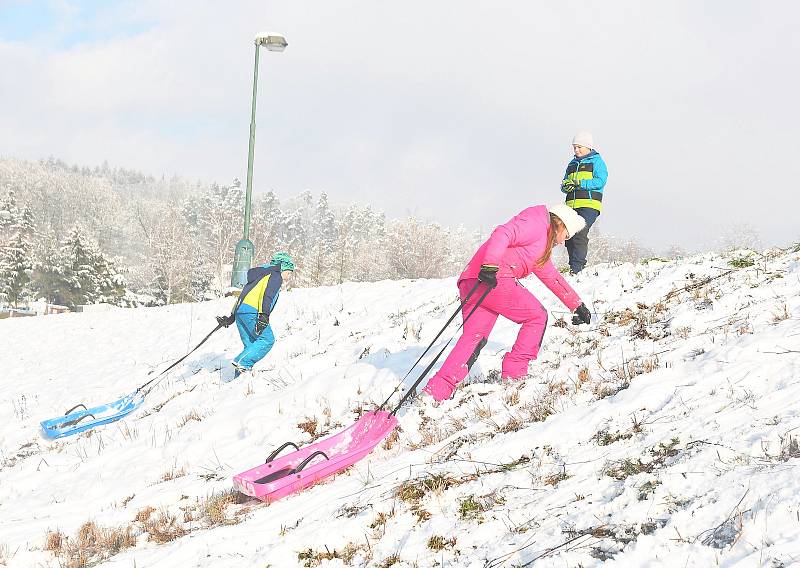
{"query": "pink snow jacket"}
pixel 515 247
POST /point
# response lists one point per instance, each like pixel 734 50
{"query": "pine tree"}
pixel 15 268
pixel 49 273
pixel 90 277
pixel 9 215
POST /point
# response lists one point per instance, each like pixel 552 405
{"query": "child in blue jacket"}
pixel 583 185
pixel 251 312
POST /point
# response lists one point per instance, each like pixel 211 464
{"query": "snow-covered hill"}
pixel 664 434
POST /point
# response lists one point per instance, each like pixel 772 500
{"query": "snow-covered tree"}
pixel 15 268
pixel 91 277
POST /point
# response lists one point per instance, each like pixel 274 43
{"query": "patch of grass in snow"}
pixel 173 473
pixel 213 511
pixel 438 543
pixel 413 490
pixel 781 314
pixel 470 508
pixel 391 439
pixel 556 478
pixel 347 554
pixel 91 544
pixel 790 448
pixel 623 469
pixel 646 488
pixel 741 261
pixel 309 426
pixel 606 438
pixel 144 514
pixel 4 554
pixel 389 561
pixel 163 527
pixel 192 415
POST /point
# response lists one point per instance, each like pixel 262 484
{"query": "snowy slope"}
pixel 664 434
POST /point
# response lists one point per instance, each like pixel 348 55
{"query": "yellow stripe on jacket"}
pixel 255 297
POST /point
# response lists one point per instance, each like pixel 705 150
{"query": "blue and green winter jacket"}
pixel 260 293
pixel 591 173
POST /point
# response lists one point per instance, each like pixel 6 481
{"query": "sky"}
pixel 457 112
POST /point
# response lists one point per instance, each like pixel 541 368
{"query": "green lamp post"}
pixel 245 251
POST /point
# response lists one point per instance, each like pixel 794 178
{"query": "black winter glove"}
pixel 225 321
pixel 582 315
pixel 488 274
pixel 261 323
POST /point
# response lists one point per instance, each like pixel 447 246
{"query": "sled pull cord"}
pixel 412 391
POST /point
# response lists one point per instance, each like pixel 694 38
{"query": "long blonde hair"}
pixel 552 231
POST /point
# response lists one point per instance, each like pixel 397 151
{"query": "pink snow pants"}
pixel 510 300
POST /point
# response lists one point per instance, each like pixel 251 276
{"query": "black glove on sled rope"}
pixel 412 390
pixel 488 274
pixel 225 321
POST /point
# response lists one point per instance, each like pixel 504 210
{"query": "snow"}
pixel 669 438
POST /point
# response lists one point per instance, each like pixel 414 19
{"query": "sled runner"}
pixel 299 469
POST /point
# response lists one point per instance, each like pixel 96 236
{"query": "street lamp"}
pixel 243 255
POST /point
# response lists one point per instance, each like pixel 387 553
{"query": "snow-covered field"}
pixel 663 434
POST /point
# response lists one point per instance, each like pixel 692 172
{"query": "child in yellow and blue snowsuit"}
pixel 252 310
pixel 583 185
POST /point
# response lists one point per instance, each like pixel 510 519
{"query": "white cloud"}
pixel 457 110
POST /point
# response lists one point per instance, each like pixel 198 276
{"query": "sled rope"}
pixel 412 392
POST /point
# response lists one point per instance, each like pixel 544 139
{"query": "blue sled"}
pixel 88 418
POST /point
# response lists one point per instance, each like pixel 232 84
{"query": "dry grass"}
pixel 144 514
pixel 91 544
pixel 413 490
pixel 483 412
pixel 437 543
pixel 514 423
pixel 212 511
pixel 173 473
pixel 635 367
pixel 430 432
pixel 192 415
pixel 309 426
pixel 781 313
pixel 583 378
pixel 163 528
pixel 511 398
pixel 380 520
pixel 557 388
pixel 555 478
pixel 621 470
pixel 391 439
pixel 389 561
pixel 311 557
pixel 54 541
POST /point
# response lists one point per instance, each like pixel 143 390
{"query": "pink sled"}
pixel 293 472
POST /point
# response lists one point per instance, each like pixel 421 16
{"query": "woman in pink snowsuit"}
pixel 514 250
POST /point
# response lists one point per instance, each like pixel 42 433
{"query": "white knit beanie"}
pixel 584 139
pixel 572 221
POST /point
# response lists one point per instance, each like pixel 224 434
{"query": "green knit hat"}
pixel 284 260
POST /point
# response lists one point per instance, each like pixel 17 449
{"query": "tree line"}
pixel 77 235
pixel 85 235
